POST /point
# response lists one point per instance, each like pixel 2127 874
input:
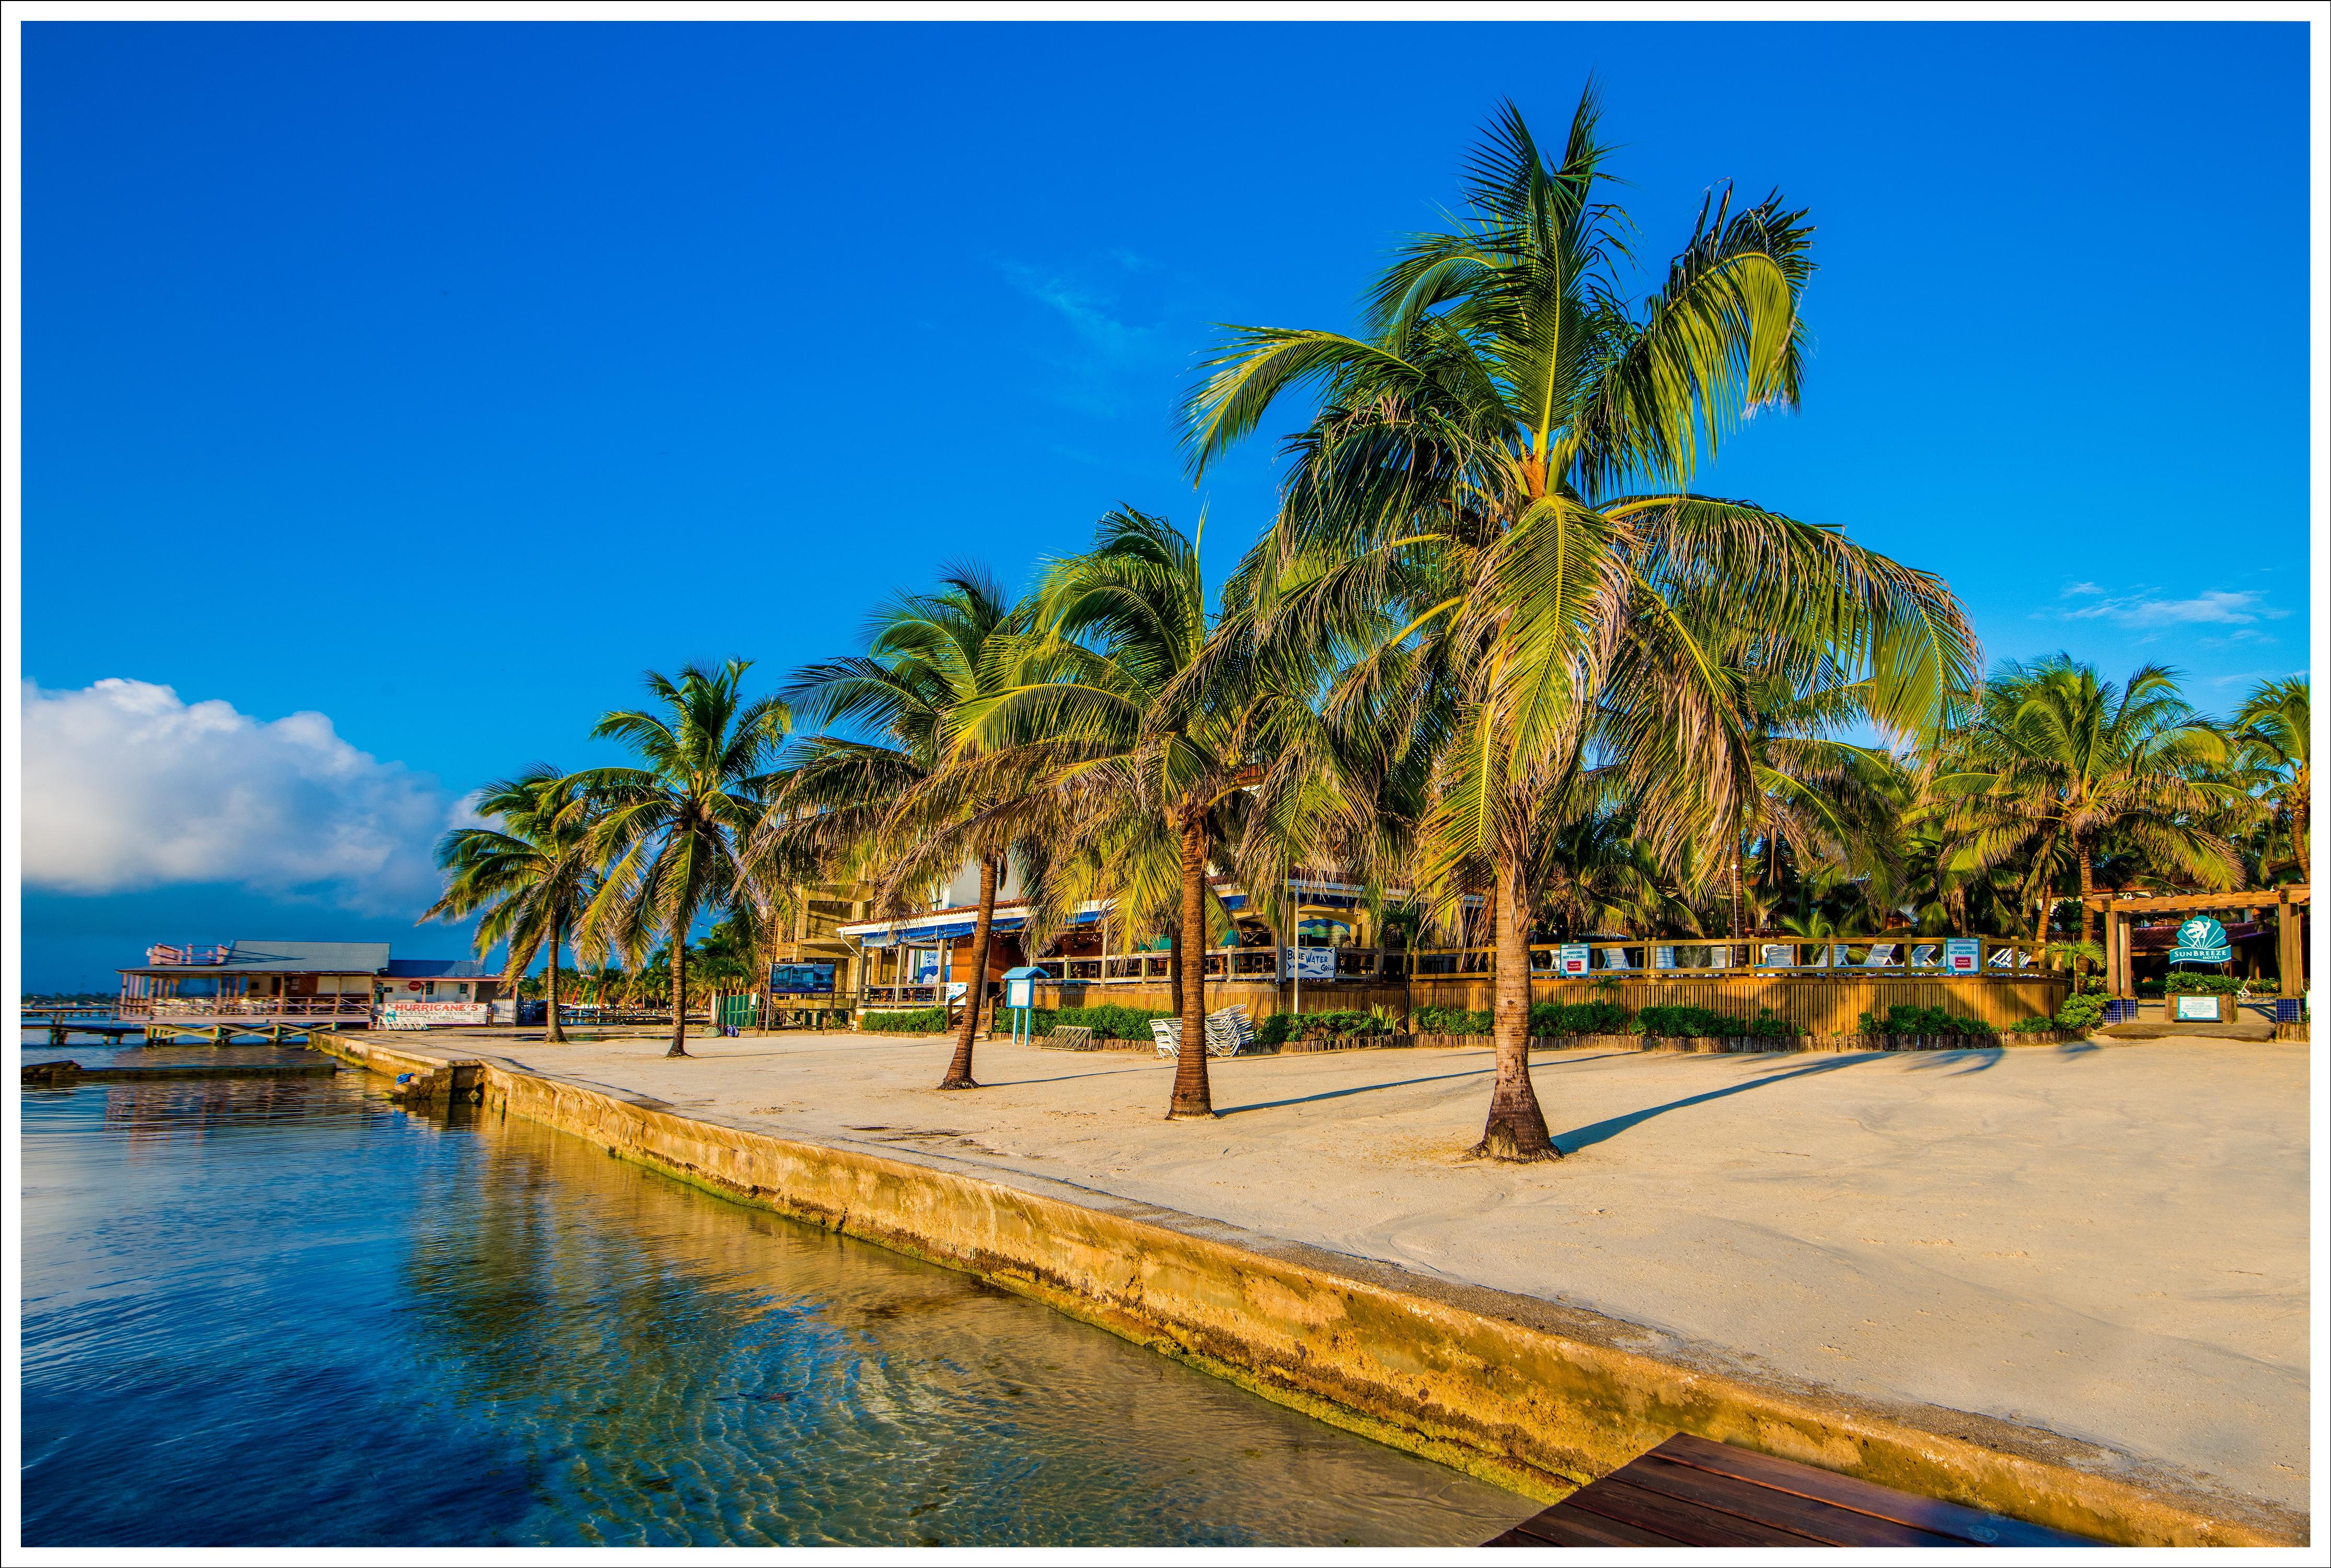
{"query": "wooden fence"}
pixel 1810 1003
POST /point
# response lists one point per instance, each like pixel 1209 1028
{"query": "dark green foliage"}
pixel 1552 1018
pixel 1924 1020
pixel 1453 1020
pixel 1680 1022
pixel 2081 1012
pixel 1274 1030
pixel 2039 1025
pixel 2203 983
pixel 1341 1024
pixel 922 1021
pixel 1106 1022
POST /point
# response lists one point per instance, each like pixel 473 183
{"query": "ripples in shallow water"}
pixel 288 1313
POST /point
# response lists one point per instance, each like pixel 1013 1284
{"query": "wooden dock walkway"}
pixel 1691 1492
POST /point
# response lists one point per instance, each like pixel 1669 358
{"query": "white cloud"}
pixel 2072 588
pixel 2212 607
pixel 126 786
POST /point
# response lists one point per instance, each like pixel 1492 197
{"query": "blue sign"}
pixel 2201 940
pixel 801 980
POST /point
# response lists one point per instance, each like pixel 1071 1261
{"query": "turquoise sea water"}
pixel 288 1313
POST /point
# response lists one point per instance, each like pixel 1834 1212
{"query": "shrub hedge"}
pixel 921 1020
pixel 1900 1020
pixel 2198 983
pixel 1106 1022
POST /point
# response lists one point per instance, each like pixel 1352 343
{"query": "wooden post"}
pixel 2290 960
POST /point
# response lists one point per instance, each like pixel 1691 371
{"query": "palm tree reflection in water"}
pixel 680 1370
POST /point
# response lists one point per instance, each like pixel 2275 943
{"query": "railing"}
pixel 1259 964
pixel 1897 955
pixel 246 1007
pixel 66 1011
pixel 900 996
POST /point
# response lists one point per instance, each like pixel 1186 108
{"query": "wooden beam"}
pixel 2205 903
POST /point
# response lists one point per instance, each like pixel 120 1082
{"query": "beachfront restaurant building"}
pixel 344 984
pixel 923 959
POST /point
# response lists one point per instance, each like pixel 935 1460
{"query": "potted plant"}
pixel 2190 998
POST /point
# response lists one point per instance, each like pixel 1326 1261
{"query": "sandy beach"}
pixel 2107 1241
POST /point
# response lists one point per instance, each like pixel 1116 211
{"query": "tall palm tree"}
pixel 2271 737
pixel 884 804
pixel 533 875
pixel 1496 472
pixel 2060 759
pixel 673 832
pixel 1144 763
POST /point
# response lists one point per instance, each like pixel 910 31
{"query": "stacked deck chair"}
pixel 1228 1033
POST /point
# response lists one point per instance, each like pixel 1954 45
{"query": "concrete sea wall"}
pixel 1526 1392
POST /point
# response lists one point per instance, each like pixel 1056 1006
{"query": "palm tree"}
pixel 2060 759
pixel 673 832
pixel 533 875
pixel 1488 512
pixel 890 808
pixel 2272 737
pixel 1143 763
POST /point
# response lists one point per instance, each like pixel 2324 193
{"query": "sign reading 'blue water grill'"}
pixel 2201 940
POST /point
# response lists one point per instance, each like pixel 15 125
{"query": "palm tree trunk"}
pixel 679 994
pixel 958 1073
pixel 1192 1095
pixel 551 1036
pixel 1173 967
pixel 1516 1126
pixel 2088 917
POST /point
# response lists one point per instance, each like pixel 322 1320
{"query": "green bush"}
pixel 1106 1022
pixel 1900 1019
pixel 2081 1012
pixel 922 1021
pixel 1680 1022
pixel 1552 1018
pixel 1274 1030
pixel 2039 1025
pixel 2197 983
pixel 1453 1020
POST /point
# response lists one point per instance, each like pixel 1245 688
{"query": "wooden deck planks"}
pixel 1691 1492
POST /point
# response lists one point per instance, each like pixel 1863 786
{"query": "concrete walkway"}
pixel 2106 1241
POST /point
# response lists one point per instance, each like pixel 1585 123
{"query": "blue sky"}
pixel 438 379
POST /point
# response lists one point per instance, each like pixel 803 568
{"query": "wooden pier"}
pixel 1691 1492
pixel 198 1029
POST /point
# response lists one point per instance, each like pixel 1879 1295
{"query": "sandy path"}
pixel 2107 1241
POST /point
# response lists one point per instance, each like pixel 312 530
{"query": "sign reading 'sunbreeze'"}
pixel 2201 940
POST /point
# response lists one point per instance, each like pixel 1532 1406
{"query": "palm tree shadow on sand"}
pixel 1594 1133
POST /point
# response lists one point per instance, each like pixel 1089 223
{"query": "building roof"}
pixel 276 957
pixel 440 969
pixel 282 957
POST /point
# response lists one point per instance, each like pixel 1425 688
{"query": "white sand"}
pixel 2106 1242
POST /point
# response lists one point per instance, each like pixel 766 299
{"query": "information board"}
pixel 1572 959
pixel 2197 1009
pixel 1962 955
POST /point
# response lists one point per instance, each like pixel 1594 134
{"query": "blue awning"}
pixel 923 936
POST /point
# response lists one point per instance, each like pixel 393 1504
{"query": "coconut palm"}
pixel 673 832
pixel 533 875
pixel 885 805
pixel 1141 762
pixel 2272 737
pixel 1497 471
pixel 2062 760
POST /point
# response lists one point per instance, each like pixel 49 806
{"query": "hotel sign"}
pixel 2201 940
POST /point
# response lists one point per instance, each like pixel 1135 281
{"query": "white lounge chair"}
pixel 1881 955
pixel 1777 955
pixel 1924 956
pixel 1615 958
